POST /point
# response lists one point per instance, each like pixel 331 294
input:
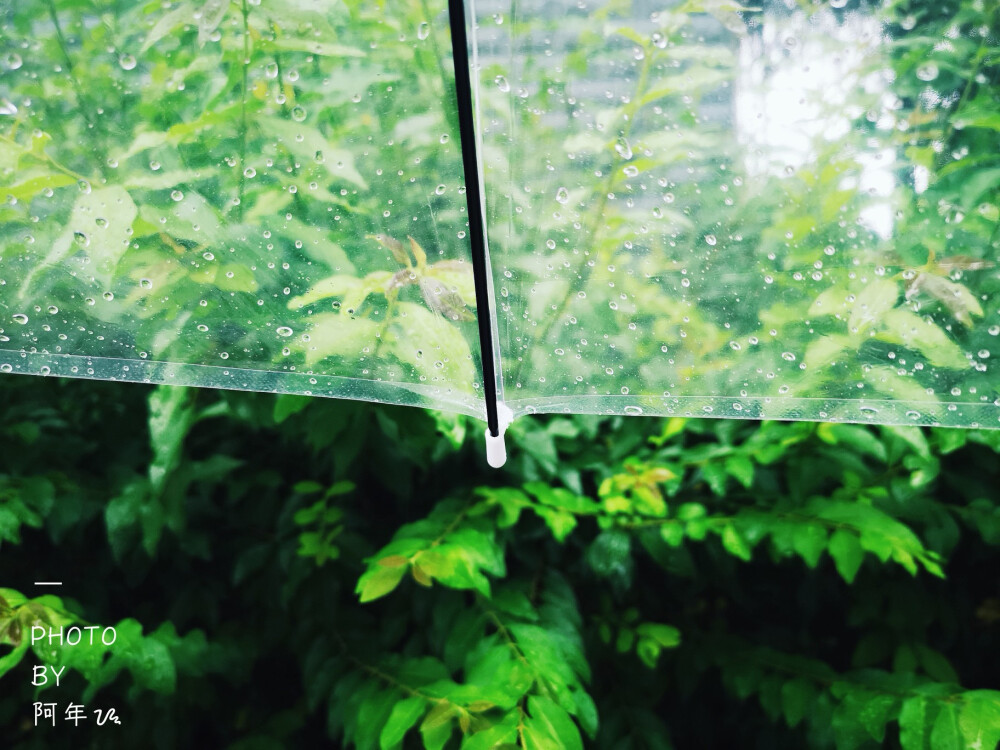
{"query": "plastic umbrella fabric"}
pixel 694 209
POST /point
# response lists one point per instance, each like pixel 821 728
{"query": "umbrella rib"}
pixel 474 201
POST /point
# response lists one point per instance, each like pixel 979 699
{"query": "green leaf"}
pixel 379 581
pixel 797 697
pixel 915 724
pixel 338 335
pixel 666 635
pixel 832 301
pixel 860 438
pixel 339 285
pixel 184 14
pixel 436 728
pixel 100 226
pixel 741 468
pixel 434 347
pixel 735 543
pixel 497 736
pixel 286 405
pixel 305 142
pixel 171 414
pixel 910 330
pixel 296 43
pixel 935 664
pixel 945 733
pixel 456 276
pixel 955 297
pixel 847 554
pixel 872 303
pixel 550 727
pixel 610 554
pixel 405 714
pixel 875 711
pixel 672 533
pixel 888 382
pixel 979 719
pixel 558 497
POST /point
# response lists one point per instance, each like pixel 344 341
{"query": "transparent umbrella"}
pixel 786 211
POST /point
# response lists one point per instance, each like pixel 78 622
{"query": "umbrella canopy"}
pixel 696 209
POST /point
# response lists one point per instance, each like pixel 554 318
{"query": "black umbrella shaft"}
pixel 474 201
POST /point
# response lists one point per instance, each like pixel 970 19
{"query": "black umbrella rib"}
pixel 474 201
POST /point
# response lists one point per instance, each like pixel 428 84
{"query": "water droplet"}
pixel 710 239
pixel 177 195
pixel 13 61
pixel 838 3
pixel 550 244
pixel 126 61
pixel 146 283
pixel 298 113
pixel 108 296
pixel 440 189
pixel 788 356
pixel 502 84
pixel 52 309
pixel 249 173
pixel 623 148
pixel 445 138
pixel 271 70
pixel 6 368
pixel 20 318
pixel 630 170
pixel 101 222
pixel 562 195
pixel 81 239
pixel 927 72
pixel 202 327
pixel 284 331
pixel 423 30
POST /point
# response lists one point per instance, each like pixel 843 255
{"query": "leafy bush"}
pixel 283 570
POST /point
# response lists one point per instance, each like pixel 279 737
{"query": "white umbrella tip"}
pixel 496 449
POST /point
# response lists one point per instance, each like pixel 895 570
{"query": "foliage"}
pixel 203 166
pixel 268 194
pixel 623 583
